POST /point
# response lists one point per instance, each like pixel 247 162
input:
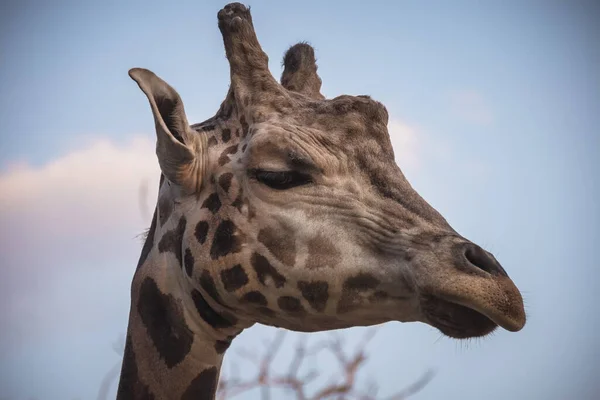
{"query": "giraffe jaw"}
pixel 455 320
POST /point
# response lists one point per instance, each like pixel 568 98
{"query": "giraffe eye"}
pixel 281 180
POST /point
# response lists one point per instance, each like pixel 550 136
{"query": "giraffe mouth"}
pixel 469 306
pixel 455 320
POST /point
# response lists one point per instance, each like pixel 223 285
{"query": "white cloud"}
pixel 97 189
pixel 406 142
pixel 104 188
pixel 68 245
pixel 68 230
pixel 470 106
pixel 68 238
pixel 100 196
pixel 89 189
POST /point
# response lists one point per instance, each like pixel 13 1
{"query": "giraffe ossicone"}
pixel 288 209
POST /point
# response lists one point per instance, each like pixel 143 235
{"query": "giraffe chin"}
pixel 455 320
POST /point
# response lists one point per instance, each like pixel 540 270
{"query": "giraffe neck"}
pixel 172 350
pixel 176 336
pixel 150 377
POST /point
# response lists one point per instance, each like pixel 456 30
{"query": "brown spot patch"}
pixel 254 297
pixel 225 181
pixel 222 345
pixel 188 262
pixel 265 270
pixel 280 242
pixel 226 135
pixel 227 240
pixel 157 310
pixel 208 284
pixel 212 202
pixel 361 282
pixel 355 289
pixel 130 385
pixel 244 126
pixel 201 231
pixel 291 305
pixel 212 141
pixel 224 157
pixel 379 295
pixel 316 293
pixel 209 315
pixel 172 240
pixel 322 253
pixel 234 278
pixel 203 386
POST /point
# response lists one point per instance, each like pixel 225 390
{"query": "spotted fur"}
pixel 156 309
pixel 280 242
pixel 322 253
pixel 227 240
pixel 316 293
pixel 291 305
pixel 234 278
pixel 265 271
pixel 212 203
pixel 130 384
pixel 172 240
pixel 284 208
pixel 202 386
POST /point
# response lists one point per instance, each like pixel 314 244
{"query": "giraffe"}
pixel 287 209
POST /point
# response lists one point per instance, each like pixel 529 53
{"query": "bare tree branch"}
pixel 342 385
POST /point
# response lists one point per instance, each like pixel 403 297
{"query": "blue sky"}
pixel 495 109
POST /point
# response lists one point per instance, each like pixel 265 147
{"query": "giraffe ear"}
pixel 177 147
pixel 300 71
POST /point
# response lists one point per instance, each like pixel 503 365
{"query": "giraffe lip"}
pixel 456 320
pixel 465 305
pixel 505 320
pixel 480 302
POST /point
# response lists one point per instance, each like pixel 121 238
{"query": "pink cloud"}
pixel 68 238
pixel 68 233
pixel 89 189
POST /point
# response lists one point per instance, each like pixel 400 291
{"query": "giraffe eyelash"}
pixel 280 180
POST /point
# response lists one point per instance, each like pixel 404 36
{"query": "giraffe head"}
pixel 288 209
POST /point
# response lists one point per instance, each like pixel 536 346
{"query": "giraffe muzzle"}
pixel 470 294
pixel 468 304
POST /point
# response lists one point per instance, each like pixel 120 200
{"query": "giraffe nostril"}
pixel 481 259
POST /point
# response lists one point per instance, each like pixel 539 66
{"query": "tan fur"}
pixel 288 209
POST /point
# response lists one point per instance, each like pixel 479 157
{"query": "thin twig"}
pixel 343 385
